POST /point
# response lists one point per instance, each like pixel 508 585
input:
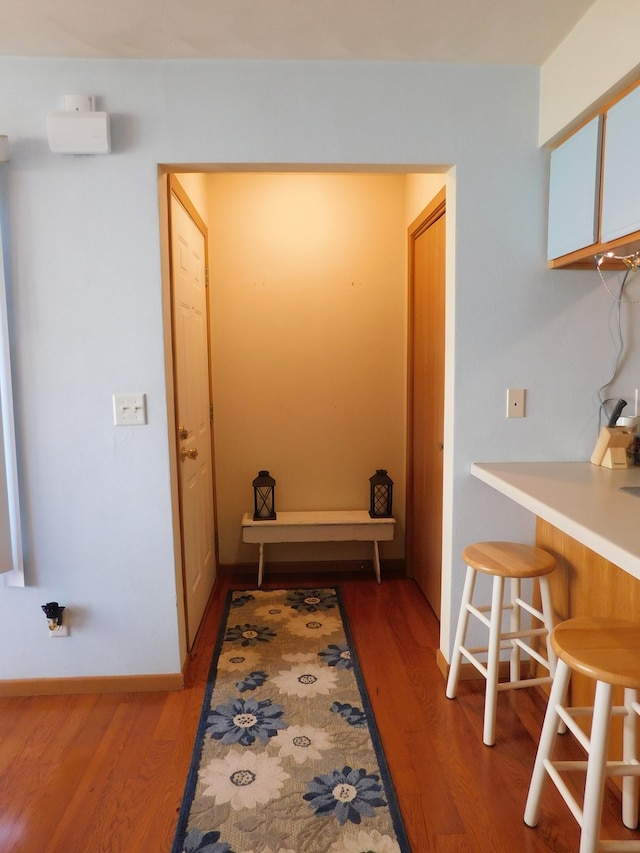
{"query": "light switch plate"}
pixel 129 409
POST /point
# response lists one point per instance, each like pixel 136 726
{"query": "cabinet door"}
pixel 574 184
pixel 621 177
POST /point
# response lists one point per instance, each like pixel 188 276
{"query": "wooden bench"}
pixel 318 526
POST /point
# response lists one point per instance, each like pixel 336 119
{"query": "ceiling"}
pixel 520 32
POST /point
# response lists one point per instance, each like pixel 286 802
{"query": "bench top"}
pixel 318 526
pixel 316 517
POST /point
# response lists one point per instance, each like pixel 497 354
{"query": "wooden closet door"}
pixel 426 399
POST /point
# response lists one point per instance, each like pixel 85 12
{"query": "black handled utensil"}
pixel 616 412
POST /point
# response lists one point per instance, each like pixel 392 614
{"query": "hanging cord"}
pixel 632 263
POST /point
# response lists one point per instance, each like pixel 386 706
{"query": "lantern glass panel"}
pixel 381 495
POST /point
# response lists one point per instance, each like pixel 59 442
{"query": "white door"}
pixel 193 412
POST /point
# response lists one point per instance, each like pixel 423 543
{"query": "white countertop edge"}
pixel 604 540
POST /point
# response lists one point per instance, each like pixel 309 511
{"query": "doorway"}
pixel 310 344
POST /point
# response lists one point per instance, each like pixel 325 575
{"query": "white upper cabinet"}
pixel 621 178
pixel 594 189
pixel 574 191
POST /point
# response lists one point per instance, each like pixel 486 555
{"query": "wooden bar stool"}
pixel 513 561
pixel 608 651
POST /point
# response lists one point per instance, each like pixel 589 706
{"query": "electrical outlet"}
pixel 515 402
pixel 59 631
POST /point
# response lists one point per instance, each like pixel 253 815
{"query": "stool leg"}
pixel 547 741
pixel 461 632
pixel 493 662
pixel 548 620
pixel 547 612
pixel 515 621
pixel 594 785
pixel 630 756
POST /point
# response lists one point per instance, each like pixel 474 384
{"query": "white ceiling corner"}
pixel 511 32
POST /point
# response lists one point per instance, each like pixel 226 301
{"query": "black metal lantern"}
pixel 381 494
pixel 264 507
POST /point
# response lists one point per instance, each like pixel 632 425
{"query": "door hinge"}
pixel 210 412
pixel 206 277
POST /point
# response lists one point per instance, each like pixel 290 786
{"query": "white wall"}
pixel 84 263
pixel 596 58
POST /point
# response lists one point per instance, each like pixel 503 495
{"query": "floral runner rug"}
pixel 287 756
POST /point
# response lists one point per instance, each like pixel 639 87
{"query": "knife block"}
pixel 611 447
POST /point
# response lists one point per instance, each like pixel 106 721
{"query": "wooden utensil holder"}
pixel 611 447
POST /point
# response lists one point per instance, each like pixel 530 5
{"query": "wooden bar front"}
pixel 586 584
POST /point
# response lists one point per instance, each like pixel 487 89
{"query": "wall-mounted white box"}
pixel 77 132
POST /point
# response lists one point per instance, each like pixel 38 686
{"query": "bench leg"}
pixel 261 564
pixel 376 561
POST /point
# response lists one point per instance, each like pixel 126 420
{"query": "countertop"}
pixel 579 498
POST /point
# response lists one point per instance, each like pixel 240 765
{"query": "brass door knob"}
pixel 191 453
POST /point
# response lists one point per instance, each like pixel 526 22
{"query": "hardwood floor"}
pixel 105 773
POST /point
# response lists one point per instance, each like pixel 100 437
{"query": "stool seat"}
pixel 608 652
pixel 602 649
pixel 512 563
pixel 509 559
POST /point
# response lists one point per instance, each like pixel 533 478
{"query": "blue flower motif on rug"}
pixel 249 635
pixel 312 600
pixel 253 680
pixel 337 655
pixel 205 842
pixel 243 721
pixel 354 716
pixel 350 794
pixel 241 600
